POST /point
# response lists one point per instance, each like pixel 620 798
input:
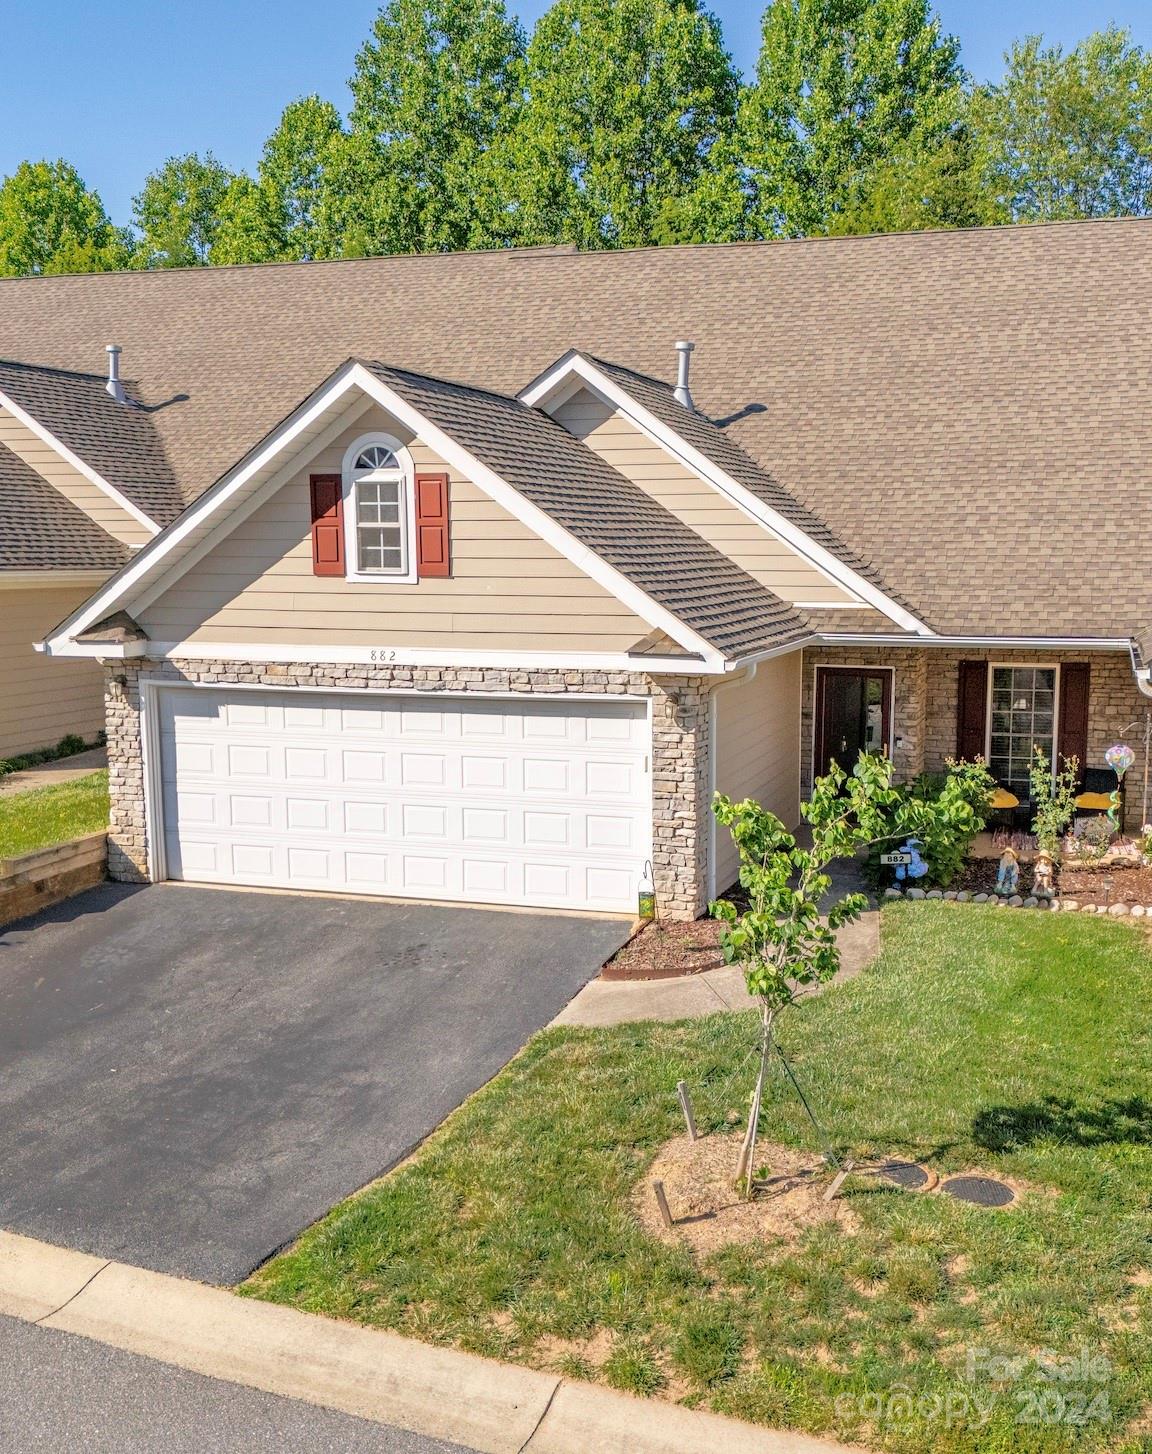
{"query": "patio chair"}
pixel 1097 785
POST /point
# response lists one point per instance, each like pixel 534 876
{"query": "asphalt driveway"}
pixel 190 1076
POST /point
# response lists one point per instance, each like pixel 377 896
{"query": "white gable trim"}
pixel 119 594
pixel 35 427
pixel 572 371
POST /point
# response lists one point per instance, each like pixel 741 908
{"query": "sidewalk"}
pixel 49 774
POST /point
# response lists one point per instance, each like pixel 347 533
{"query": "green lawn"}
pixel 44 816
pixel 1010 1041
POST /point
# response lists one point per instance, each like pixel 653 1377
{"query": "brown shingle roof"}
pixel 967 410
pixel 118 441
pixel 611 516
pixel 41 530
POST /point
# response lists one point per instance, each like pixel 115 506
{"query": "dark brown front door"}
pixel 853 714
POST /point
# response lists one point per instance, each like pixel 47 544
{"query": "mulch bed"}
pixel 668 951
pixel 978 876
pixel 1086 883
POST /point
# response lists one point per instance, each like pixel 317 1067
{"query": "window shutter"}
pixel 433 548
pixel 972 710
pixel 1073 727
pixel 327 525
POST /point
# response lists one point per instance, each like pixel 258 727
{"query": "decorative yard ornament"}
pixel 1043 877
pixel 1119 758
pixel 915 867
pixel 1008 874
pixel 646 899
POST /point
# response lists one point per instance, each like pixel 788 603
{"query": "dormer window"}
pixel 378 511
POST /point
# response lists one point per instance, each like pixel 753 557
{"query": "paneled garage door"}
pixel 490 801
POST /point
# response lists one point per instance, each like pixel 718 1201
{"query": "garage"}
pixel 544 803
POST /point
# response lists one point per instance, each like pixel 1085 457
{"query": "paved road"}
pixel 191 1076
pixel 61 1393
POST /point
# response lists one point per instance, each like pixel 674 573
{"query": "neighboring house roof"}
pixel 116 440
pixel 967 410
pixel 41 530
pixel 614 518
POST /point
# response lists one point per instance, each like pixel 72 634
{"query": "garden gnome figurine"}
pixel 1008 874
pixel 1043 886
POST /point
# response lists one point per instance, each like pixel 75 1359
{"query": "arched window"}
pixel 377 510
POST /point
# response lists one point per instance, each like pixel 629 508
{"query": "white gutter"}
pixel 1143 674
pixel 1071 643
pixel 713 717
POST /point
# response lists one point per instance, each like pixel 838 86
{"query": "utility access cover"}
pixel 905 1174
pixel 981 1191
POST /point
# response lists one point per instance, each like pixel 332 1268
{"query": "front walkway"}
pixel 49 774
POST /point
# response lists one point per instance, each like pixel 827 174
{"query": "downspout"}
pixel 1142 674
pixel 739 680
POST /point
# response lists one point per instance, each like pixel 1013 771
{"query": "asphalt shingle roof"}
pixel 607 513
pixel 41 530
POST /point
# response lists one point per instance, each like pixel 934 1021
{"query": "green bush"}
pixel 957 803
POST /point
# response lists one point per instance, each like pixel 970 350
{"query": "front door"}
pixel 853 713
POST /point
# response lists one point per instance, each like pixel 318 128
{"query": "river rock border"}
pixel 1066 906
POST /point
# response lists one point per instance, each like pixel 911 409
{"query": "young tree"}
pixel 284 214
pixel 50 222
pixel 1070 135
pixel 842 86
pixel 178 213
pixel 624 104
pixel 432 87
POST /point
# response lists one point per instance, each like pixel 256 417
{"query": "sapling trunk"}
pixel 747 1162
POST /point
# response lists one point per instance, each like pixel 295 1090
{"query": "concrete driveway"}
pixel 190 1076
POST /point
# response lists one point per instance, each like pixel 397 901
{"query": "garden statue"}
pixel 1043 882
pixel 1008 874
pixel 917 868
pixel 1119 758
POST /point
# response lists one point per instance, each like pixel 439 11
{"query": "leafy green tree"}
pixel 50 222
pixel 179 211
pixel 943 186
pixel 285 213
pixel 624 103
pixel 432 87
pixel 842 87
pixel 1070 135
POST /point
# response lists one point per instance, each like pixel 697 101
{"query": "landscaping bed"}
pixel 42 817
pixel 1018 1045
pixel 667 949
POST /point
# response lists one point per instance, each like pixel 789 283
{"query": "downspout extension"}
pixel 739 680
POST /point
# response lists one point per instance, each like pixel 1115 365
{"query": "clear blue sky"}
pixel 118 87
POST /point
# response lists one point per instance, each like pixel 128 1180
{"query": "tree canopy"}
pixel 178 212
pixel 50 222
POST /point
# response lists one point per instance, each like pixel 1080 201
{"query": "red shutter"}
pixel 1073 727
pixel 433 550
pixel 327 525
pixel 972 710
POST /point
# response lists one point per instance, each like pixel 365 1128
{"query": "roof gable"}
pixel 41 530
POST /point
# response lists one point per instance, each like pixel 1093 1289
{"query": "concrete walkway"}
pixel 50 774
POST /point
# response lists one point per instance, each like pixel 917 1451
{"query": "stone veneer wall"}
pixel 924 704
pixel 680 728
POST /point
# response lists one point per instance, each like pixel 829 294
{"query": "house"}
pixel 474 581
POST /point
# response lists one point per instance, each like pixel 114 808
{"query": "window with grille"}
pixel 1022 718
pixel 380 512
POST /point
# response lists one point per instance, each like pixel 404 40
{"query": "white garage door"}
pixel 488 801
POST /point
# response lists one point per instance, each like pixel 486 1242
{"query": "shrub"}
pixel 1054 799
pixel 957 809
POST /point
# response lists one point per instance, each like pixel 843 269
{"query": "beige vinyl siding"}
pixel 618 441
pixel 43 698
pixel 758 749
pixel 70 482
pixel 509 590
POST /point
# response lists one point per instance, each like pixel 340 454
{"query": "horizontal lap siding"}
pixel 509 590
pixel 43 698
pixel 758 749
pixel 70 482
pixel 697 504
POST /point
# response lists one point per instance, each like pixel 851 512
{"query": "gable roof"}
pixel 41 530
pixel 967 410
pixel 116 441
pixel 611 528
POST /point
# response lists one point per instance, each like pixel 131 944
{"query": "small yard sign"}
pixel 895 860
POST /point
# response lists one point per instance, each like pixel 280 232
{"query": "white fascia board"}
pixel 740 663
pixel 36 428
pixel 1062 643
pixel 53 577
pixel 548 391
pixel 117 595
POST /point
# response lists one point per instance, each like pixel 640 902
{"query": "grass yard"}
pixel 45 816
pixel 1019 1043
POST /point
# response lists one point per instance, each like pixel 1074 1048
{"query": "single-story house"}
pixel 477 574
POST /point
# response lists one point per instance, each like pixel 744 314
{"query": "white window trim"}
pixel 1052 666
pixel 352 572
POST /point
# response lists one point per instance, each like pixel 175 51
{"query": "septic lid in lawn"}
pixel 981 1191
pixel 905 1174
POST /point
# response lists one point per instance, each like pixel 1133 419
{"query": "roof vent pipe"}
pixel 114 386
pixel 684 362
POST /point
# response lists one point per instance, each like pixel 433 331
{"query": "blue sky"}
pixel 117 88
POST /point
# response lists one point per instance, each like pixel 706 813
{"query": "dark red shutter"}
pixel 327 525
pixel 433 549
pixel 1073 728
pixel 972 710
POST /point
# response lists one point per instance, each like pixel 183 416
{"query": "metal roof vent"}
pixel 114 386
pixel 684 363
